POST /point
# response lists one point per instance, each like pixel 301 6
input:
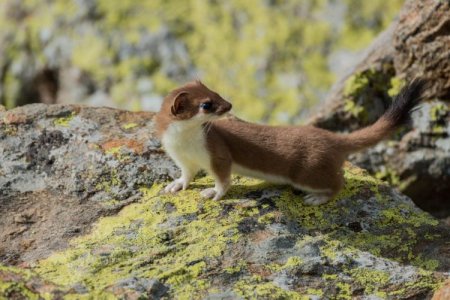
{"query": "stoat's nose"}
pixel 224 108
pixel 227 107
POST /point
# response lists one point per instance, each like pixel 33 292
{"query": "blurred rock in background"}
pixel 273 59
pixel 417 159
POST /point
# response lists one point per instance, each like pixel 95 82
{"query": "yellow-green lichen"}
pixel 255 287
pixel 329 276
pixel 425 282
pixel 404 214
pixel 308 216
pixel 114 150
pixel 331 249
pixel 360 88
pixel 427 264
pixel 354 109
pixel 23 273
pixel 64 121
pixel 15 284
pixel 10 290
pixel 388 175
pixel 438 111
pixel 140 243
pixel 291 262
pixel 355 84
pixel 312 217
pixel 236 268
pixel 315 292
pixel 371 280
pixel 439 129
pixel 268 218
pixel 119 153
pixel 396 85
pixel 108 182
pixel 344 291
pixel 130 126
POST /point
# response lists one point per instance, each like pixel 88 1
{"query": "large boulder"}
pixel 417 159
pixel 73 164
pixel 82 216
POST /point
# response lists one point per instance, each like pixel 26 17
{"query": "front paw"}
pixel 211 193
pixel 174 187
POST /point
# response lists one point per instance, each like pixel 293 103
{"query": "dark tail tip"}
pixel 399 113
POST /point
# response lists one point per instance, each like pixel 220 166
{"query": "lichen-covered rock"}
pixel 261 241
pixel 418 160
pixel 74 162
pixel 79 150
pixel 17 283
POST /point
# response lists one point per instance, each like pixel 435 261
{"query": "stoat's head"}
pixel 195 101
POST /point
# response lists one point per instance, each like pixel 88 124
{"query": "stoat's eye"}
pixel 206 105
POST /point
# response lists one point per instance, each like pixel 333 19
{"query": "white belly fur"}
pixel 238 169
pixel 187 147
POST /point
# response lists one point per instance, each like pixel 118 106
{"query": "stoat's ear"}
pixel 179 103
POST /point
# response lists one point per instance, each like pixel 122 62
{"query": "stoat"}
pixel 197 132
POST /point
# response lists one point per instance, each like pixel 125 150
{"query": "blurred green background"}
pixel 273 59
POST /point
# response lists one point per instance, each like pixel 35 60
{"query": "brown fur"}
pixel 310 157
pixel 306 157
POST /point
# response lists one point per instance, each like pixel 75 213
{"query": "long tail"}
pixel 399 113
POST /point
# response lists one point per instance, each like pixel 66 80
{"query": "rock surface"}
pixel 416 160
pixel 64 168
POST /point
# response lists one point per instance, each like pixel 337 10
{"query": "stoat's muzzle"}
pixel 224 107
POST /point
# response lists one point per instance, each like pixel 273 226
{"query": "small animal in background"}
pixel 197 132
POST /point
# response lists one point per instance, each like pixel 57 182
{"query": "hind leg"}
pixel 322 194
pixel 317 198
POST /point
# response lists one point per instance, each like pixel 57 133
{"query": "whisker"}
pixel 208 129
